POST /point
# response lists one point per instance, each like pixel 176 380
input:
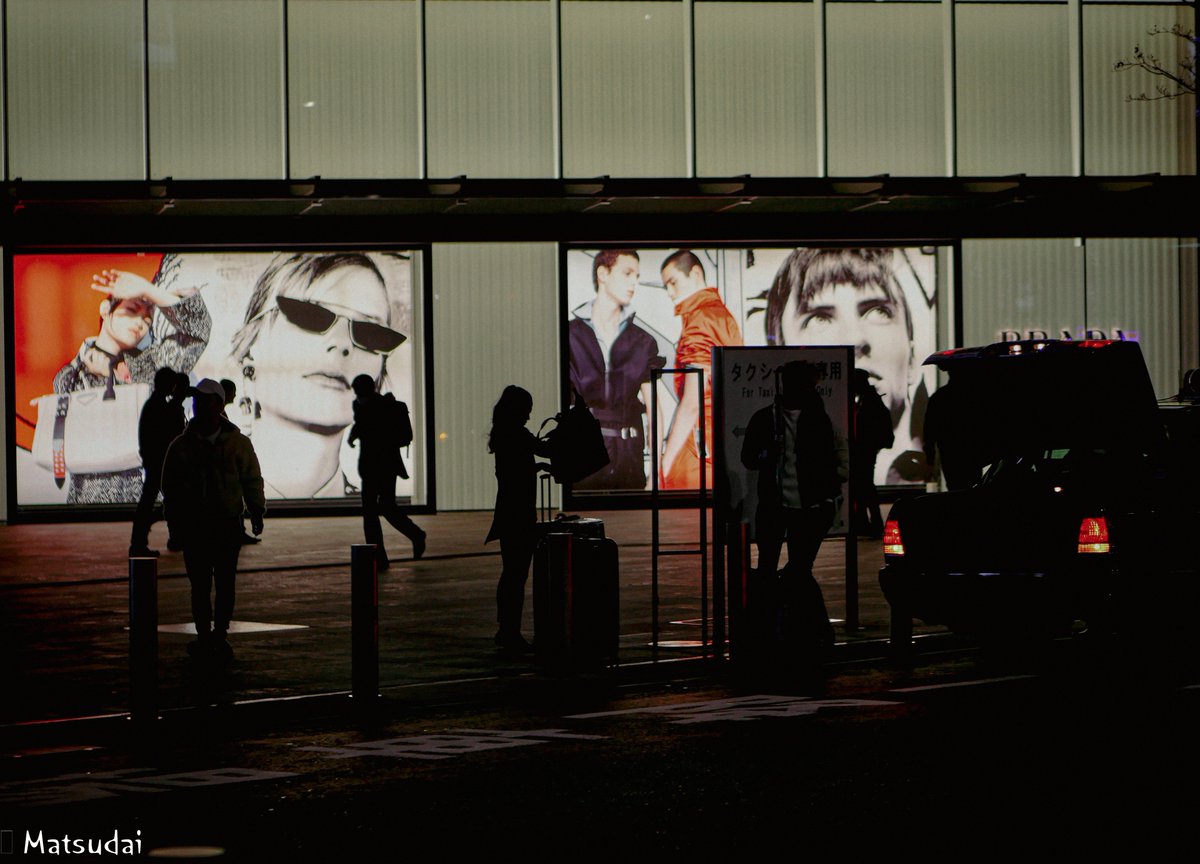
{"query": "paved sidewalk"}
pixel 64 610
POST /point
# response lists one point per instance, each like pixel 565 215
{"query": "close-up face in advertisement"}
pixel 620 282
pixel 305 356
pixel 866 318
pixel 126 323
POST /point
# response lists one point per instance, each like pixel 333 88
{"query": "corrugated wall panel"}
pixel 353 88
pixel 1020 285
pixel 216 89
pixel 3 414
pixel 75 90
pixel 1189 305
pixel 755 89
pixel 490 95
pixel 1122 137
pixel 1014 106
pixel 886 106
pixel 623 89
pixel 1133 284
pixel 495 316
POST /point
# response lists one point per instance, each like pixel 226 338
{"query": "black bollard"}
pixel 143 639
pixel 364 625
pixel 900 635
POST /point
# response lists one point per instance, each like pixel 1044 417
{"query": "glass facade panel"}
pixel 1110 288
pixel 216 89
pixel 1013 89
pixel 1133 288
pixel 353 88
pixel 886 106
pixel 76 101
pixel 756 84
pixel 1135 137
pixel 1022 289
pixel 510 328
pixel 490 66
pixel 623 96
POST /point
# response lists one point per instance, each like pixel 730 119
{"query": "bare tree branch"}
pixel 1181 76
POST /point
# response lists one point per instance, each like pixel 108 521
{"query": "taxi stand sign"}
pixel 744 381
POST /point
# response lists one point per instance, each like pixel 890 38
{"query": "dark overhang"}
pixel 598 209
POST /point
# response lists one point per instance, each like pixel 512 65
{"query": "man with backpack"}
pixel 383 426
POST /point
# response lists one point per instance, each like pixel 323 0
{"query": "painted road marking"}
pixel 448 745
pixel 234 627
pixel 72 788
pixel 740 708
pixel 974 683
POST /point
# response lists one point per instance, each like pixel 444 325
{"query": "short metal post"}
pixel 143 639
pixel 364 624
pixel 900 635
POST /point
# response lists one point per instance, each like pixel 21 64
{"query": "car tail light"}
pixel 893 544
pixel 1093 535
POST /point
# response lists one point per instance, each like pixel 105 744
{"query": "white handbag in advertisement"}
pixel 89 431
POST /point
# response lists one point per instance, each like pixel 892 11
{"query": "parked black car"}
pixel 1088 514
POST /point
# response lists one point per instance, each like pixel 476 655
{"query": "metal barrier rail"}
pixel 655 504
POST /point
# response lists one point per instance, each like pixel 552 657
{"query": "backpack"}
pixel 404 430
pixel 576 444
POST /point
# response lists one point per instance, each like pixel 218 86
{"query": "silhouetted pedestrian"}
pixel 801 463
pixel 161 422
pixel 230 394
pixel 383 426
pixel 515 448
pixel 872 433
pixel 210 477
pixel 953 433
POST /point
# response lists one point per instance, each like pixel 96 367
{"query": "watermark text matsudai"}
pixel 68 845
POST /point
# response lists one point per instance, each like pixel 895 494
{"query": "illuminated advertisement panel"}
pixel 631 310
pixel 289 330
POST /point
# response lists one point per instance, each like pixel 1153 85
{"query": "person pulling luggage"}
pixel 801 464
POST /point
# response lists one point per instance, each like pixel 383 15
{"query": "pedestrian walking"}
pixel 382 424
pixel 210 478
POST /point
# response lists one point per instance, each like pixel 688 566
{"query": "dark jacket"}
pixel 821 463
pixel 210 484
pixel 612 392
pixel 516 478
pixel 376 428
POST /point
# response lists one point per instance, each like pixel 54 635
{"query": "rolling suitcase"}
pixel 785 623
pixel 575 601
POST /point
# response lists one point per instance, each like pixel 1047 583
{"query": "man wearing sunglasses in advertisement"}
pixel 315 322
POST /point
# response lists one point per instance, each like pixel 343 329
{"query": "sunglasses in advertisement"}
pixel 314 318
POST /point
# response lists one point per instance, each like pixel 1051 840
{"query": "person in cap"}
pixel 210 477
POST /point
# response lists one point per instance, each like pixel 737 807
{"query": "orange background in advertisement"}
pixel 54 309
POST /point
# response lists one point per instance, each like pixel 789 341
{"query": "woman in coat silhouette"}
pixel 515 448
